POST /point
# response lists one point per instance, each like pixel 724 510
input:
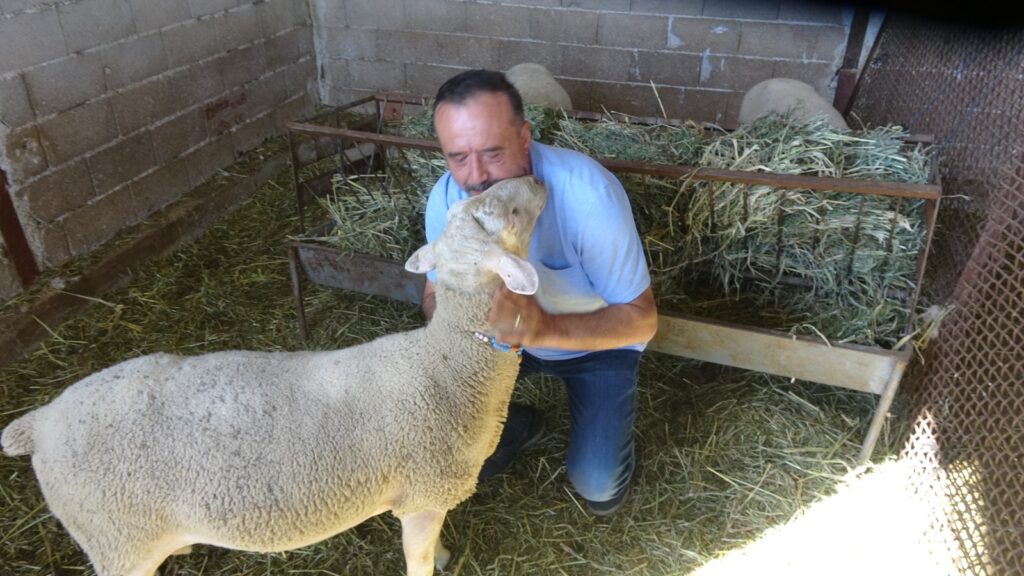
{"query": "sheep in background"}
pixel 265 451
pixel 784 95
pixel 537 86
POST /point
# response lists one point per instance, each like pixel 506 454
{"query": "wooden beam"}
pixel 861 368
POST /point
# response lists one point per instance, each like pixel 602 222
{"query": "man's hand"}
pixel 517 319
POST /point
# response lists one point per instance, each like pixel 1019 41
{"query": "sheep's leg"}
pixel 421 542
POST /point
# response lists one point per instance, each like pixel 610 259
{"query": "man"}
pixel 594 313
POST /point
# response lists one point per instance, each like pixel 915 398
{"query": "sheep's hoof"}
pixel 182 551
pixel 441 556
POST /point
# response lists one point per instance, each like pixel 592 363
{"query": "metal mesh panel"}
pixel 966 86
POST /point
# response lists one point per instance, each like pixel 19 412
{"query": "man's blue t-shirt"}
pixel 585 245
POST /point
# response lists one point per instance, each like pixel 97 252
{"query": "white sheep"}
pixel 785 95
pixel 537 86
pixel 265 451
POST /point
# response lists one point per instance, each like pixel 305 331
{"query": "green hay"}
pixel 656 144
pixel 732 251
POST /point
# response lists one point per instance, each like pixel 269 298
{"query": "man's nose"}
pixel 477 171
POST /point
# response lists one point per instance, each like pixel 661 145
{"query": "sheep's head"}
pixel 486 239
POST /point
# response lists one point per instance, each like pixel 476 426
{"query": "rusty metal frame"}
pixel 869 369
pixel 14 237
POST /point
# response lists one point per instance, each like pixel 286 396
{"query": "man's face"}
pixel 482 142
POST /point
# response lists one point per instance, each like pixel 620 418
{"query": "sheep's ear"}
pixel 422 261
pixel 518 275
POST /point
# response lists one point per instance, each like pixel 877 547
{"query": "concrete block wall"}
pixel 111 109
pixel 700 55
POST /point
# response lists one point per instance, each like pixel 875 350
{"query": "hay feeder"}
pixel 364 146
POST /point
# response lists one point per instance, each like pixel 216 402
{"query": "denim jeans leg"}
pixel 601 387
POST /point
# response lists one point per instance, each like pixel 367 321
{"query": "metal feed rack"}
pixel 862 368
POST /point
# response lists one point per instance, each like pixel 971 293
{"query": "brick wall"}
pixel 701 55
pixel 114 108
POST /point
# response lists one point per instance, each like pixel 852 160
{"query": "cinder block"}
pixel 98 221
pixel 497 21
pixel 377 75
pixel 382 14
pixel 238 28
pixel 244 65
pixel 57 193
pixel 597 63
pixel 425 79
pixel 707 105
pixel 199 82
pixel 206 161
pixel 671 68
pixel 134 60
pixel 350 43
pixel 632 31
pixel 512 52
pixel 228 111
pixel 791 41
pixel 742 9
pixel 145 104
pixel 817 74
pixel 697 35
pixel 15 6
pixel 636 99
pixel 25 156
pixel 435 48
pixel 578 90
pixel 564 26
pixel 294 109
pixel 816 11
pixel 90 23
pixel 734 72
pixel 178 135
pixel 437 15
pixel 159 188
pixel 601 5
pixel 200 8
pixel 150 15
pixel 329 15
pixel 276 16
pixel 544 3
pixel 65 83
pixel 674 7
pixel 120 163
pixel 253 133
pixel 15 110
pixel 49 242
pixel 191 42
pixel 336 73
pixel 285 49
pixel 82 129
pixel 268 93
pixel 302 77
pixel 30 38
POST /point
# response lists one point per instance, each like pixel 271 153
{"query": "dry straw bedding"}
pixel 723 455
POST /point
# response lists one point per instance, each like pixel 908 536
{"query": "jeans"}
pixel 601 387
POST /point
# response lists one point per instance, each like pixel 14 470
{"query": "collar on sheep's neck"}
pixel 499 346
pixel 450 298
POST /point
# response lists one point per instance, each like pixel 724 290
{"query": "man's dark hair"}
pixel 463 86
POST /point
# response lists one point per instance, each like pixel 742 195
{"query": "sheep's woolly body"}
pixel 266 451
pixel 536 85
pixel 787 96
pixel 305 424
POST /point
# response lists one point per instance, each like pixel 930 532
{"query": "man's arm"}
pixel 428 303
pixel 519 320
